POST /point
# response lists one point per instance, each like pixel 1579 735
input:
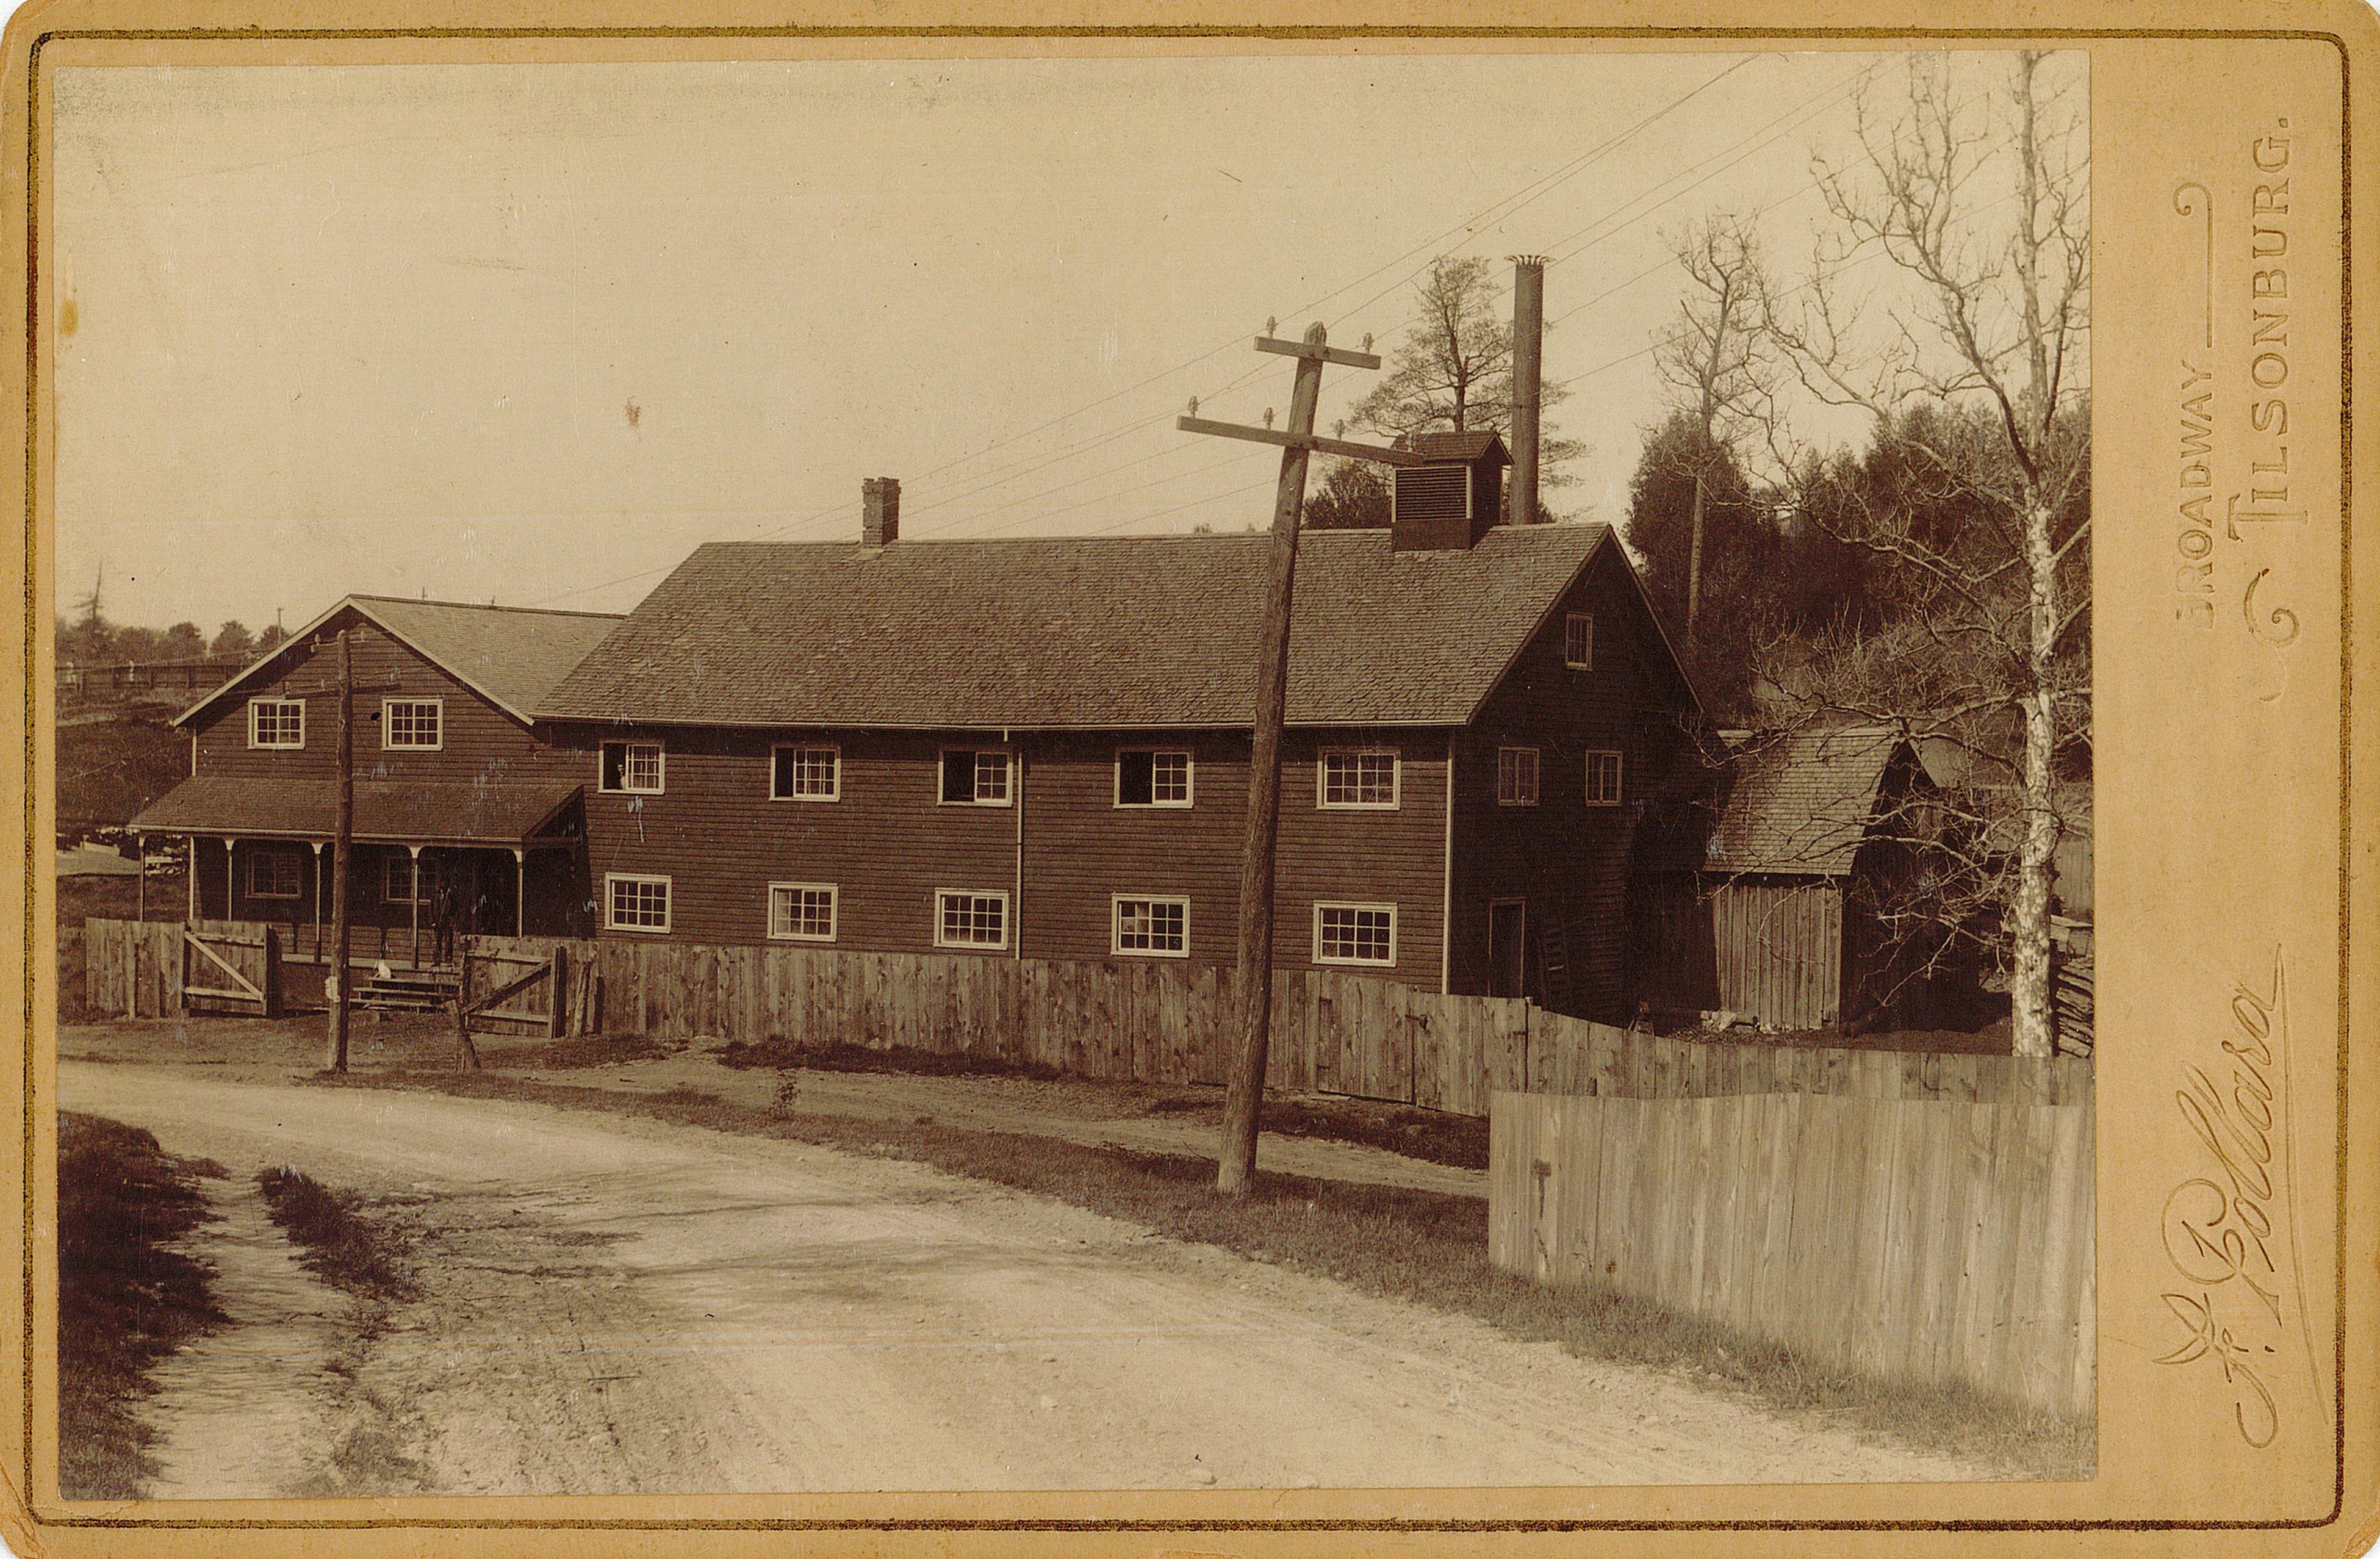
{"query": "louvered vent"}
pixel 1431 494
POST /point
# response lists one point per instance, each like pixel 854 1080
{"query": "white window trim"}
pixel 660 769
pixel 833 911
pixel 669 902
pixel 1115 925
pixel 1588 619
pixel 941 757
pixel 282 746
pixel 282 852
pixel 1537 777
pixel 1322 780
pixel 834 794
pixel 1395 930
pixel 388 746
pixel 1007 923
pixel 1188 757
pixel 1592 754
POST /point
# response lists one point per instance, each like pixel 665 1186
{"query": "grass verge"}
pixel 125 1299
pixel 1419 1247
pixel 332 1243
pixel 784 1055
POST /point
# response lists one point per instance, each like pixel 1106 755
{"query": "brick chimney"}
pixel 879 510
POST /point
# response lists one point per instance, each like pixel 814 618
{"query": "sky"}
pixel 531 332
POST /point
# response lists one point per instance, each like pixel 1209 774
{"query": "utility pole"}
pixel 1243 1095
pixel 342 850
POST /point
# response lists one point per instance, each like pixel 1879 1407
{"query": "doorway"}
pixel 1508 941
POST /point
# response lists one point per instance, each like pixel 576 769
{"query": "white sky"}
pixel 531 332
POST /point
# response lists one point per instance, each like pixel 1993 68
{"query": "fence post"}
pixel 467 1058
pixel 557 993
pixel 271 983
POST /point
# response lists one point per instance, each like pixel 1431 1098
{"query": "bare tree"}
pixel 1707 358
pixel 1975 370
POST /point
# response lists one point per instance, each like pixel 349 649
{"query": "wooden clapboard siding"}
pixel 1921 1240
pixel 1565 858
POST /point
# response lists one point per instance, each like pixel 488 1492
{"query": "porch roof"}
pixel 415 813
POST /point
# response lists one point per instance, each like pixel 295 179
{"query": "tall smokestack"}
pixel 1528 342
pixel 880 511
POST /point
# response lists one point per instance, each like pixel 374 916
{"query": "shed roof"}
pixel 511 655
pixel 1106 632
pixel 1802 802
pixel 1464 446
pixel 412 812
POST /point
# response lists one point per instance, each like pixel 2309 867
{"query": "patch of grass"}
pixel 593 1049
pixel 336 1245
pixel 126 1300
pixel 1429 1135
pixel 841 1056
pixel 1419 1247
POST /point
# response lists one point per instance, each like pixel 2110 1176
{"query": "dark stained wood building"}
pixel 1039 747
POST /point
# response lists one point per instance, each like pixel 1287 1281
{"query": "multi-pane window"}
pixel 967 919
pixel 801 911
pixel 1359 777
pixel 1516 776
pixel 805 773
pixel 976 776
pixel 273 873
pixel 1152 777
pixel 635 904
pixel 406 878
pixel 632 767
pixel 1578 641
pixel 1158 927
pixel 413 722
pixel 1603 779
pixel 1354 934
pixel 277 722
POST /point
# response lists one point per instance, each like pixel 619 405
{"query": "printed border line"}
pixel 1299 33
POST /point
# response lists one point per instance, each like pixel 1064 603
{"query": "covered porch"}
pixel 430 863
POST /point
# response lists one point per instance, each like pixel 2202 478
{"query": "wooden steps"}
pixel 428 990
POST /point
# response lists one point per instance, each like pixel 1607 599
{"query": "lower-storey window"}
pixel 274 873
pixel 1157 927
pixel 964 918
pixel 635 904
pixel 801 911
pixel 1354 934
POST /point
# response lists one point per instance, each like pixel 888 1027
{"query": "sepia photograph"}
pixel 1138 771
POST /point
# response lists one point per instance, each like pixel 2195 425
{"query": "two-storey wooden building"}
pixel 1033 747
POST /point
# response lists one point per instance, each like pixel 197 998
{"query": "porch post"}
pixel 141 882
pixel 520 890
pixel 230 844
pixel 191 876
pixel 413 902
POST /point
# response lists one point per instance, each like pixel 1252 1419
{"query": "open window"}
pixel 805 773
pixel 976 776
pixel 631 768
pixel 1152 777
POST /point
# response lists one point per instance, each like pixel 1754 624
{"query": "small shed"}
pixel 1752 885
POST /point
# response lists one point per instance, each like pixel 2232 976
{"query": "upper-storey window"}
pixel 1578 641
pixel 1152 777
pixel 805 773
pixel 976 776
pixel 1358 777
pixel 1516 776
pixel 632 767
pixel 412 723
pixel 277 722
pixel 1603 779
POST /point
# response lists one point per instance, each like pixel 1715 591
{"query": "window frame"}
pixel 1571 621
pixel 1619 777
pixel 833 911
pixel 612 921
pixel 281 702
pixel 1189 779
pixel 1007 924
pixel 660 767
pixel 1536 776
pixel 388 725
pixel 1394 932
pixel 275 853
pixel 1322 779
pixel 833 794
pixel 942 769
pixel 1115 925
pixel 393 856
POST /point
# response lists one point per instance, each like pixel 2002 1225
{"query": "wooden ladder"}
pixel 1553 965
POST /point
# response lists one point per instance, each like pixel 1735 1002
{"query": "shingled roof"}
pixel 1104 632
pixel 512 655
pixel 1802 802
pixel 1464 446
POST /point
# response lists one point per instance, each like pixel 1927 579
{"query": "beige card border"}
pixel 27 40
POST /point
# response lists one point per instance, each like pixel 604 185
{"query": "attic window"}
pixel 1603 779
pixel 632 768
pixel 1578 641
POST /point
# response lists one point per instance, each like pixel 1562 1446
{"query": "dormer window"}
pixel 1578 641
pixel 277 722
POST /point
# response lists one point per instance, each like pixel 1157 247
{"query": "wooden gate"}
pixel 232 972
pixel 510 1005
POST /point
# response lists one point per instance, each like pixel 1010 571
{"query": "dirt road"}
pixel 613 1305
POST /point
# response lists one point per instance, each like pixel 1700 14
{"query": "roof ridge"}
pixel 481 606
pixel 1305 534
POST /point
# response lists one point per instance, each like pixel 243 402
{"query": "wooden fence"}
pixel 1167 1023
pixel 1921 1240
